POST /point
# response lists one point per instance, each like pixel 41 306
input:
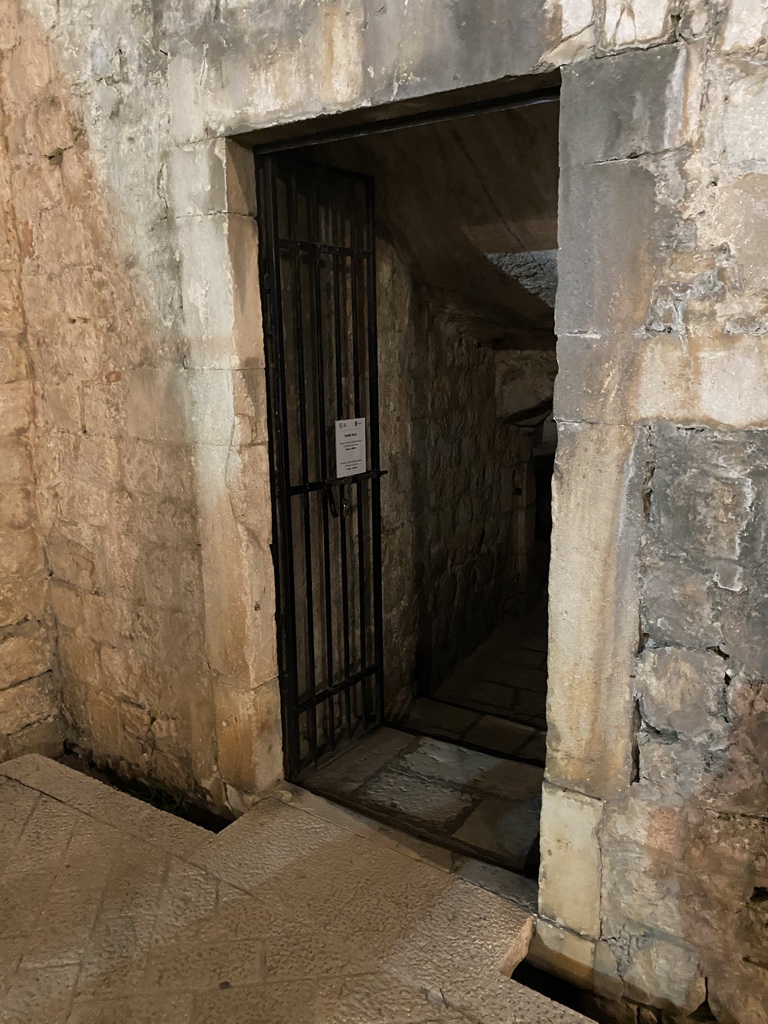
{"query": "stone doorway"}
pixel 466 237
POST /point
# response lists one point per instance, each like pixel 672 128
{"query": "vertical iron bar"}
pixel 267 177
pixel 298 314
pixel 317 324
pixel 373 389
pixel 340 415
pixel 355 268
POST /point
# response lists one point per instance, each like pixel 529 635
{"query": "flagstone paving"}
pixel 114 912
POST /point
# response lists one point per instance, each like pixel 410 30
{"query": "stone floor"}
pixel 469 801
pixel 114 912
pixel 503 681
pixel 475 784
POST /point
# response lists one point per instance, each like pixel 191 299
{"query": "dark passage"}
pixel 464 235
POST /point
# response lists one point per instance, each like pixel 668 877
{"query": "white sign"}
pixel 350 447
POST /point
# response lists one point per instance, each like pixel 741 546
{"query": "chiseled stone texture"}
pixel 29 707
pixel 299 913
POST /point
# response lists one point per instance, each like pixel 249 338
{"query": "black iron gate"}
pixel 318 286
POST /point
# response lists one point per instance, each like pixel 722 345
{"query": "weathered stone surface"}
pixel 593 640
pixel 606 277
pixel 677 608
pixel 24 705
pixel 683 692
pixel 570 874
pixel 563 953
pixel 635 23
pixel 646 113
pixel 664 974
pixel 23 654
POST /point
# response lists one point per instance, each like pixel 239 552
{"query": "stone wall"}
pixel 455 517
pixel 654 825
pixel 29 707
pixel 158 586
pixel 136 264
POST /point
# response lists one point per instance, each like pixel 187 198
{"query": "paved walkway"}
pixel 113 912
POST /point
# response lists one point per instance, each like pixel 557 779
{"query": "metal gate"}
pixel 317 265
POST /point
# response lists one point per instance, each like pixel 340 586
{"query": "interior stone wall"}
pixel 29 708
pixel 456 501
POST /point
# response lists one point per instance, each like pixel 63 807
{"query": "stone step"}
pixel 333 888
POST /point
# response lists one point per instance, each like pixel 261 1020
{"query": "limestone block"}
pixel 744 119
pixel 677 608
pixel 151 468
pixel 682 691
pixel 561 952
pixel 702 512
pixel 249 737
pixel 20 555
pixel 31 701
pixel 207 290
pixel 17 507
pixel 249 391
pixel 24 656
pixel 16 408
pixel 243 248
pixel 11 313
pixel 593 629
pixel 91 469
pixel 15 461
pixel 635 23
pixel 74 554
pixel 665 974
pixel 642 841
pixel 739 992
pixel 45 738
pixel 197 185
pixel 745 27
pixel 13 362
pixel 103 405
pixel 24 596
pixel 738 212
pixel 208 405
pixel 240 179
pixel 155 405
pixel 606 275
pixel 623 379
pixel 569 877
pixel 59 404
pixel 623 106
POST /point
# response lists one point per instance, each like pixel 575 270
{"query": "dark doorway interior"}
pixel 465 238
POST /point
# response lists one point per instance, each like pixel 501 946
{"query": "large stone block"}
pixel 677 607
pixel 26 704
pixel 593 607
pixel 665 974
pixel 623 106
pixel 15 462
pixel 561 952
pixel 13 361
pixel 24 656
pixel 606 274
pixel 16 408
pixel 683 692
pixel 17 507
pixel 570 873
pixel 249 739
pixel 635 23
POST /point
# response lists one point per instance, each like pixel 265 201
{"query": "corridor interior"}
pixel 466 243
pixel 464 766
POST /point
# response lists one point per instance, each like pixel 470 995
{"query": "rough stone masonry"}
pixel 136 581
